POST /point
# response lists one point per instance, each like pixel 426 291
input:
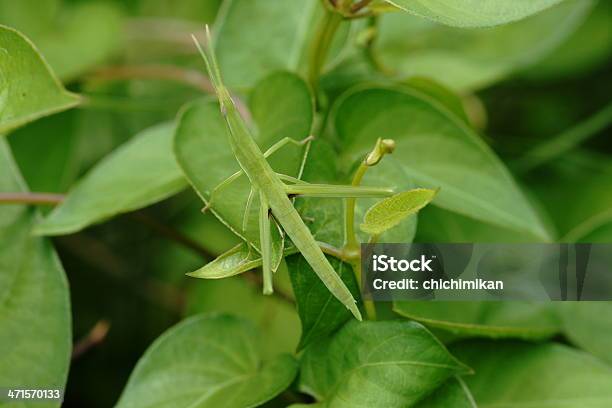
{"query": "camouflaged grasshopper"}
pixel 274 194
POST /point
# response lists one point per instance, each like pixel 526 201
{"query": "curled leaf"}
pixel 389 212
pixel 235 261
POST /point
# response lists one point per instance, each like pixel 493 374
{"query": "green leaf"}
pixel 207 361
pixel 205 155
pixel 46 152
pixel 389 173
pixel 245 38
pixel 28 88
pixel 320 312
pixel 440 93
pixel 473 13
pixel 376 364
pixel 73 38
pixel 274 317
pixel 485 319
pixel 535 375
pixel 389 212
pixel 472 59
pixel 454 393
pixel 585 50
pixel 437 150
pixel 235 261
pixel 588 325
pixel 139 173
pixel 35 323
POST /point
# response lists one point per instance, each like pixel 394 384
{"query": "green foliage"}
pixel 472 59
pixel 28 88
pixel 527 375
pixel 454 393
pixel 460 13
pixel 390 364
pixel 260 48
pixel 587 324
pixel 73 38
pixel 320 313
pixel 389 212
pixel 437 151
pixel 35 307
pixel 207 360
pixel 525 159
pixel 108 189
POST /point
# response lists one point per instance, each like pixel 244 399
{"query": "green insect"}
pixel 274 194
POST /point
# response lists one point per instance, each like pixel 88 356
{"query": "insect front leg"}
pixel 274 148
pixel 290 179
pixel 220 187
pixel 247 209
pixel 338 191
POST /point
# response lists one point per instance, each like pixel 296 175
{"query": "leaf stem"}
pixel 349 219
pixel 173 73
pixel 31 198
pixel 95 337
pixel 351 249
pixel 321 45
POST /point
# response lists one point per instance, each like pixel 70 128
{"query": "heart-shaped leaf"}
pixel 28 88
pixel 274 317
pixel 377 364
pixel 525 375
pixel 473 13
pixel 35 322
pixel 389 212
pixel 436 150
pixel 139 173
pixel 207 361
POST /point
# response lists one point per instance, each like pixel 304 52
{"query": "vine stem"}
pixel 351 249
pixel 31 198
pixel 351 243
pixel 321 45
pixel 95 337
pixel 172 73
